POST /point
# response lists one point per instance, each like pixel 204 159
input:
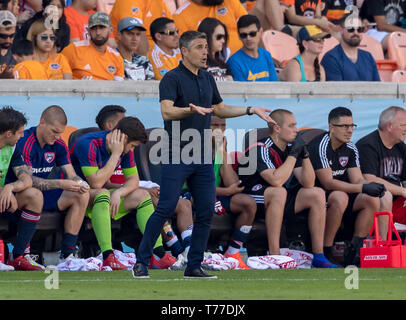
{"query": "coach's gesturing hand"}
pixel 374 189
pixel 200 110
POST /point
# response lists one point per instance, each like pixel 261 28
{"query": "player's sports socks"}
pixel 144 210
pixel 173 243
pixel 26 229
pixel 187 237
pixel 68 244
pixel 238 238
pixel 320 261
pixel 101 221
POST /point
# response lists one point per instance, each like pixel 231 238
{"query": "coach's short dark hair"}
pixel 133 128
pixel 106 113
pixel 11 119
pixel 158 25
pixel 186 39
pixel 247 20
pixel 339 112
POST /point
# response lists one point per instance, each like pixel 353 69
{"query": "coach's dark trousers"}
pixel 201 183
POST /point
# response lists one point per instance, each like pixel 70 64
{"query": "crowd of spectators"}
pixel 152 39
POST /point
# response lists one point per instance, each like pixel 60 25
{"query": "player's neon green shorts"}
pixel 121 210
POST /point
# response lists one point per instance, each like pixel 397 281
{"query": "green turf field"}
pixel 236 284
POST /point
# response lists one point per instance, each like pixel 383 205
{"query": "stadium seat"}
pixel 66 134
pixel 329 44
pixel 386 69
pixel 397 48
pixel 399 76
pixel 78 133
pixel 105 5
pixel 282 46
pixel 374 47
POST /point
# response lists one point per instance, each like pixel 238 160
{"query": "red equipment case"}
pixel 378 253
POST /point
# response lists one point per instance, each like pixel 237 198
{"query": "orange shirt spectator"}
pixel 56 67
pixel 44 45
pixel 30 69
pixel 78 23
pixel 189 16
pixel 165 54
pixel 146 10
pixel 163 62
pixel 88 63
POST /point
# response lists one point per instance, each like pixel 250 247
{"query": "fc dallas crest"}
pixel 343 161
pixel 49 156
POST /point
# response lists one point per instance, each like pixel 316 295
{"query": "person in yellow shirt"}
pixel 26 67
pixel 165 55
pixel 146 10
pixel 93 59
pixel 44 43
pixel 192 12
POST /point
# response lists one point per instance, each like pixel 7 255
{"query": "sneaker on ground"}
pixel 33 258
pixel 6 267
pixel 180 264
pixel 237 256
pixel 198 273
pixel 113 263
pixel 23 264
pixel 165 262
pixel 140 271
pixel 70 257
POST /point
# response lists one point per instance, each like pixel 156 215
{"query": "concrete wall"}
pixel 83 88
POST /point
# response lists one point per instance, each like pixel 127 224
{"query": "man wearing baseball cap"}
pixel 306 66
pixel 8 24
pixel 136 66
pixel 93 59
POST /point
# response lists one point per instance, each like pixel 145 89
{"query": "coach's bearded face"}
pixel 212 2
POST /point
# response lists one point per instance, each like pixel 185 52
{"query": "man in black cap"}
pixel 136 66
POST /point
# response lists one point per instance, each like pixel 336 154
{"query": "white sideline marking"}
pixel 181 279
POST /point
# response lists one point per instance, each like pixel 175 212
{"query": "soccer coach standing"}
pixel 188 96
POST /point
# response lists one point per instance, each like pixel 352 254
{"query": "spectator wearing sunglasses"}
pixel 44 43
pixel 346 62
pixel 251 63
pixel 7 34
pixel 165 55
pixel 306 66
pixel 218 52
pixel 145 10
pixel 26 67
pixel 189 15
pixel 62 32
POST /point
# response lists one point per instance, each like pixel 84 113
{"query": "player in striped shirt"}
pixel 45 153
pixel 350 198
pixel 283 184
pixel 95 157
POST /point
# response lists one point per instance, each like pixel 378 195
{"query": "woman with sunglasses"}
pixel 43 40
pixel 306 66
pixel 218 52
pixel 62 30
